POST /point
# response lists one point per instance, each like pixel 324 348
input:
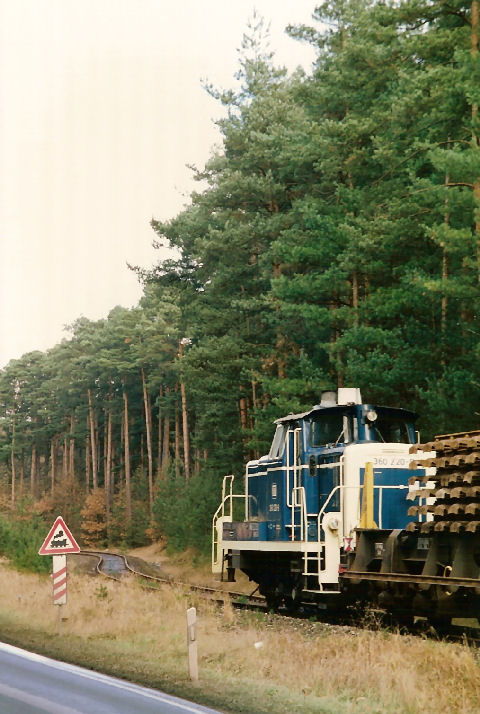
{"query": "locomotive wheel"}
pixel 273 600
pixel 292 601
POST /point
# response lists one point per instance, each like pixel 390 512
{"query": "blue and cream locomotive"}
pixel 327 514
pixel 303 500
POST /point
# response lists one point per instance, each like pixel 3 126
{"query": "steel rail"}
pixel 346 619
pixel 234 595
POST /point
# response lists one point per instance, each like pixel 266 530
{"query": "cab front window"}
pixel 331 429
pixel 391 430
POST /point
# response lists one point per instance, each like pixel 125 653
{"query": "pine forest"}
pixel 334 240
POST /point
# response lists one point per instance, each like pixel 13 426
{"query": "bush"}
pixel 94 527
pixel 20 540
pixel 183 511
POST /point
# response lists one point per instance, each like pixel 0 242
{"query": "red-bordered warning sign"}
pixel 59 540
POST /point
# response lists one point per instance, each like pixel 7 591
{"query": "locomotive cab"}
pixel 307 462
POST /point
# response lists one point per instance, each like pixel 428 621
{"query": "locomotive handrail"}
pixel 294 466
pixel 380 487
pixel 221 507
pixel 302 505
pixel 330 496
pixel 222 510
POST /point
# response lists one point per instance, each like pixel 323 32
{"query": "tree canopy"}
pixel 334 239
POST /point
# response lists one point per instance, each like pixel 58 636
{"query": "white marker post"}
pixel 58 543
pixel 192 643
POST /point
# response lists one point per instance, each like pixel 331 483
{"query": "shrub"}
pixel 183 511
pixel 94 529
pixel 20 540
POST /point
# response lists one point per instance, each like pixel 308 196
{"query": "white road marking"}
pixel 103 678
pixel 39 702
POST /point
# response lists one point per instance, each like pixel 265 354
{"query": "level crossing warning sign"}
pixel 59 541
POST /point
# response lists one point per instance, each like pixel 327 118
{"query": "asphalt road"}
pixel 32 684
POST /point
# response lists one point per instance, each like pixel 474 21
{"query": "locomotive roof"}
pixel 340 407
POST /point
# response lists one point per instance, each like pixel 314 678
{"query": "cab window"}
pixel 390 430
pixel 278 443
pixel 334 428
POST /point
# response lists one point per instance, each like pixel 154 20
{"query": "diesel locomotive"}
pixel 347 507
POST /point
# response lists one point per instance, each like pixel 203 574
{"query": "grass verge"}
pixel 137 634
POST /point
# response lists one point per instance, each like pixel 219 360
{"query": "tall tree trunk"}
pixel 128 492
pixel 177 442
pixel 112 469
pixel 108 468
pixel 97 444
pixel 166 443
pixel 166 439
pixel 13 461
pixel 254 408
pixel 148 427
pixel 88 454
pixel 105 444
pixel 254 393
pixel 33 469
pixel 243 411
pixel 71 464
pixel 22 475
pixel 52 465
pixel 92 442
pixel 159 452
pixel 65 458
pixel 122 449
pixel 186 440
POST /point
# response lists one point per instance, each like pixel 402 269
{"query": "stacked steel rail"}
pixel 449 493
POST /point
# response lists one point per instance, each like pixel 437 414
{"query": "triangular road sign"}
pixel 59 540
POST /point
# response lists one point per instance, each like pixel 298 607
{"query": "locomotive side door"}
pixel 330 430
pixel 293 455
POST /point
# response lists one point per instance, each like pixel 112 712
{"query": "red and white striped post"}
pixel 58 542
pixel 59 585
pixel 59 579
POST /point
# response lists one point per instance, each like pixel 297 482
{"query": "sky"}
pixel 101 109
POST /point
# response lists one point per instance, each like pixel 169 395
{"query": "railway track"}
pixel 114 566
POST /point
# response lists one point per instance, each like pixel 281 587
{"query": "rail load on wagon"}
pixel 347 507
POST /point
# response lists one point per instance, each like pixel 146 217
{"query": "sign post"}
pixel 58 543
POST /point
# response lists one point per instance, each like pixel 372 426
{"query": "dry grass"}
pixel 300 667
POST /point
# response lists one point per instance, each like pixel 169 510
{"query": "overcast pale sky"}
pixel 101 108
